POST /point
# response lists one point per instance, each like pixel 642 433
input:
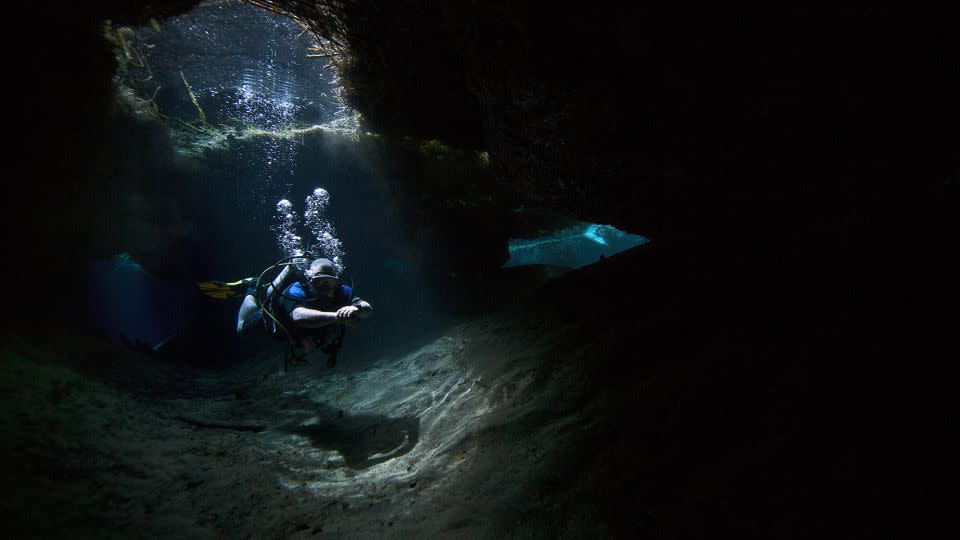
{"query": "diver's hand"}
pixel 347 313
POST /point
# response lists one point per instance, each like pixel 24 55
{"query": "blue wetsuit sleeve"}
pixel 348 295
pixel 291 298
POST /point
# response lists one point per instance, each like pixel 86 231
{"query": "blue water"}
pixel 126 301
pixel 572 247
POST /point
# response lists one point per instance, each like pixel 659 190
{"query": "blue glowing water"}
pixel 573 247
pixel 128 302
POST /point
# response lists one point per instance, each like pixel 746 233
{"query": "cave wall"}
pixel 83 182
pixel 649 116
pixel 801 155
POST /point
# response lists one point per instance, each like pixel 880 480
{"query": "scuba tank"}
pixel 267 293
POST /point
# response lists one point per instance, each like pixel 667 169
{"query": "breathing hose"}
pixel 286 261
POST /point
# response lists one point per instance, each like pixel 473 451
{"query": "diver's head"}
pixel 322 278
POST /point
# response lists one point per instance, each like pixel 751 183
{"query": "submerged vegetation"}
pixel 130 64
pixel 193 138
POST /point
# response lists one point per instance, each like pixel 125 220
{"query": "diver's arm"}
pixel 312 318
pixel 365 309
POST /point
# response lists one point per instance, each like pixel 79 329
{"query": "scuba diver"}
pixel 311 307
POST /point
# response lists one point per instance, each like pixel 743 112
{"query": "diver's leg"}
pixel 247 308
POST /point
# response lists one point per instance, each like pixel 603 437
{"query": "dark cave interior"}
pixel 768 365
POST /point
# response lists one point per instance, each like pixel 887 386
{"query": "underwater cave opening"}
pixel 226 71
pixel 129 305
pixel 574 246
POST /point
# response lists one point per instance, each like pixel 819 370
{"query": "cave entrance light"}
pixel 572 247
pixel 228 71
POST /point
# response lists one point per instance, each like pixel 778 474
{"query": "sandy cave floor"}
pixel 485 432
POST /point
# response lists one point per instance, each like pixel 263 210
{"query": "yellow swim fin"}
pixel 222 290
